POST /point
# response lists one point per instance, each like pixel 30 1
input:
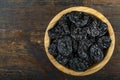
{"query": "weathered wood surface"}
pixel 22 28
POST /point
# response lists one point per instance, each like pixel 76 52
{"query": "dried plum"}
pixel 53 48
pixel 80 19
pixel 65 46
pixel 75 17
pixel 56 32
pixel 84 44
pixel 85 19
pixel 62 60
pixel 96 54
pixel 79 40
pixel 82 54
pixel 84 32
pixel 77 34
pixel 78 64
pixel 63 23
pixel 74 45
pixel 104 42
pixel 93 31
pixel 93 28
pixel 103 29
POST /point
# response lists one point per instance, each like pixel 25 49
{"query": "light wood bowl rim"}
pixel 94 68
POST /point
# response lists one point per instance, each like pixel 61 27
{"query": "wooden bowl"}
pixel 94 68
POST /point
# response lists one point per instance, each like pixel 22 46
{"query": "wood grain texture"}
pixel 22 28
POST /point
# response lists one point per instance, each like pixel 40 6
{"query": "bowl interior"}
pixel 94 68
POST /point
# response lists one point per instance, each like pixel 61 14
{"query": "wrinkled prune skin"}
pixel 84 44
pixel 82 54
pixel 79 40
pixel 103 29
pixel 56 32
pixel 75 17
pixel 63 23
pixel 104 42
pixel 53 48
pixel 74 45
pixel 96 54
pixel 93 29
pixel 78 64
pixel 77 34
pixel 65 46
pixel 62 60
pixel 80 19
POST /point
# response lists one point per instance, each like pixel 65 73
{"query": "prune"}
pixel 75 17
pixel 84 44
pixel 84 32
pixel 78 64
pixel 92 39
pixel 65 46
pixel 77 34
pixel 95 23
pixel 66 29
pixel 82 54
pixel 93 28
pixel 52 34
pixel 63 23
pixel 103 29
pixel 93 31
pixel 79 40
pixel 56 32
pixel 74 45
pixel 96 54
pixel 87 42
pixel 90 20
pixel 80 19
pixel 84 20
pixel 62 60
pixel 53 48
pixel 104 42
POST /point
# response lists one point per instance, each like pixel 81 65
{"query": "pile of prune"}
pixel 79 40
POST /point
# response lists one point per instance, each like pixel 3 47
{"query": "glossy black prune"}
pixel 62 60
pixel 65 46
pixel 82 54
pixel 96 54
pixel 78 64
pixel 104 42
pixel 64 24
pixel 53 48
pixel 75 17
pixel 80 19
pixel 56 32
pixel 77 34
pixel 74 45
pixel 103 28
pixel 79 40
pixel 84 44
pixel 93 29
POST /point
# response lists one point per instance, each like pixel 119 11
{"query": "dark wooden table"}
pixel 22 28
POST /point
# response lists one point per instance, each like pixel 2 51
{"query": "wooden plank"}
pixel 107 2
